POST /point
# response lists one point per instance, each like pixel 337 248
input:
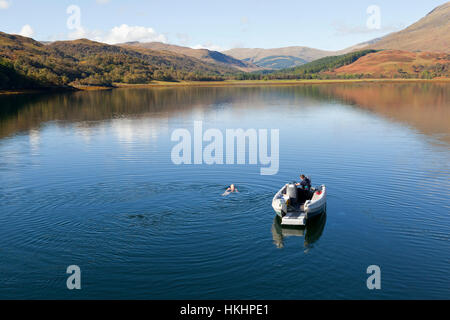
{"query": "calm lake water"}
pixel 87 179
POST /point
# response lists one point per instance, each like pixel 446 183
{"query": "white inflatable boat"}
pixel 295 205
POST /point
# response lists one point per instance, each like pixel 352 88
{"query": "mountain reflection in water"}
pixel 423 106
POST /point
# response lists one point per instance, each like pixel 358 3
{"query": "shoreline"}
pixel 226 83
pixel 38 90
pixel 270 82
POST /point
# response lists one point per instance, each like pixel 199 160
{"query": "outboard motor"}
pixel 291 192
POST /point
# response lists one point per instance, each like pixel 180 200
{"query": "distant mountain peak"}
pixel 441 7
pixel 431 33
pixel 278 58
pixel 205 55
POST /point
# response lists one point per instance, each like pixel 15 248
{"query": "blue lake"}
pixel 87 179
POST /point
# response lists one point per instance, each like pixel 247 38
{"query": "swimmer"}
pixel 232 188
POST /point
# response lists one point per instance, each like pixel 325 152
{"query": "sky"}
pixel 217 25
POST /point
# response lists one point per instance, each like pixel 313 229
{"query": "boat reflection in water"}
pixel 311 232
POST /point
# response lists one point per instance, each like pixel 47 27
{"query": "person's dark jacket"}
pixel 306 183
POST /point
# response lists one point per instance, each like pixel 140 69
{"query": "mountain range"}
pixel 204 55
pixel 278 58
pixel 431 33
pixel 420 50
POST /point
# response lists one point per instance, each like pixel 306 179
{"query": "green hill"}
pixel 280 62
pixel 326 64
pixel 85 62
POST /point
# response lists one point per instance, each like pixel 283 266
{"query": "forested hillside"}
pixel 11 79
pixel 85 62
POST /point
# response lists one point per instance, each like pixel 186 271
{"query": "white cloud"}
pixel 209 46
pixel 4 4
pixel 26 31
pixel 119 34
pixel 126 33
pixel 102 1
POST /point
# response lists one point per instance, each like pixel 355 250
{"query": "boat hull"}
pixel 311 208
pixel 310 214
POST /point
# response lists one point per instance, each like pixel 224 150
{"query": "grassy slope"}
pixel 392 63
pixel 431 33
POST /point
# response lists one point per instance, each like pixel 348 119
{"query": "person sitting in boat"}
pixel 305 183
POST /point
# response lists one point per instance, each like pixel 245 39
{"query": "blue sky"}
pixel 329 25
